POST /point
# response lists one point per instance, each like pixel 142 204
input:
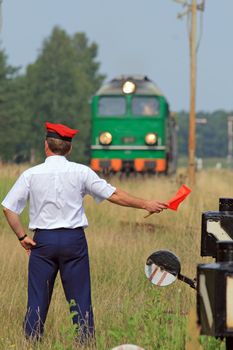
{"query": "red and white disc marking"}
pixel 158 276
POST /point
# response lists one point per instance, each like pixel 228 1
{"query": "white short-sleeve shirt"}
pixel 55 190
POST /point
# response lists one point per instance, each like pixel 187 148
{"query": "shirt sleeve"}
pixel 98 188
pixel 17 197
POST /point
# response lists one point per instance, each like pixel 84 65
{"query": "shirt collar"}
pixel 54 159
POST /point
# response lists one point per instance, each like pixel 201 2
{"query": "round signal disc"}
pixel 162 268
pixel 128 347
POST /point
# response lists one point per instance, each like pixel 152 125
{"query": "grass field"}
pixel 128 309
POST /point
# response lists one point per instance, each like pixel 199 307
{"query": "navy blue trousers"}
pixel 64 250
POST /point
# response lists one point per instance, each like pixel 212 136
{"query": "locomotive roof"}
pixel 144 86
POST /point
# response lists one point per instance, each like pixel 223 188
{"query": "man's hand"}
pixel 27 243
pixel 155 206
pixel 14 221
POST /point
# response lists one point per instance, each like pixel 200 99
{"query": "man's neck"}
pixel 50 153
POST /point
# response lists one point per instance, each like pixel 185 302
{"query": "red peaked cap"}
pixel 181 194
pixel 60 131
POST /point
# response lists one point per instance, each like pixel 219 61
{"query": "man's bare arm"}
pixel 127 200
pixel 15 223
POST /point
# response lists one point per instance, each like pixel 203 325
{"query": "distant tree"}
pixel 182 132
pixel 211 138
pixel 87 82
pixel 60 83
pixel 214 135
pixel 13 117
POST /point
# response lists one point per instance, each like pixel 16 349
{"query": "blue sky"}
pixel 133 36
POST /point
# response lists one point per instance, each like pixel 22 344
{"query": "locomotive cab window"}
pixel 145 105
pixel 112 106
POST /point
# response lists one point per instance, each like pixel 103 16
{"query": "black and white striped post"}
pixel 215 281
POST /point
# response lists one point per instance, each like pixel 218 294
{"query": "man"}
pixel 55 190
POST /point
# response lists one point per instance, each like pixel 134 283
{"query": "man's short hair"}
pixel 59 147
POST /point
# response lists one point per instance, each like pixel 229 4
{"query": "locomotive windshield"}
pixel 112 106
pixel 145 105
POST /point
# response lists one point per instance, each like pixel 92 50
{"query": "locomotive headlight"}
pixel 105 138
pixel 151 138
pixel 128 87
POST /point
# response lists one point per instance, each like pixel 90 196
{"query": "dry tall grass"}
pixel 128 309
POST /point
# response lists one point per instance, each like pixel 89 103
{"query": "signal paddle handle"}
pixel 187 280
pixel 146 216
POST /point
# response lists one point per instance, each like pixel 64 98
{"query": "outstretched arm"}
pixel 15 223
pixel 127 200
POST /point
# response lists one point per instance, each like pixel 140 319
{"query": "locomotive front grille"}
pixel 105 164
pixel 150 165
pixel 128 165
pixel 128 139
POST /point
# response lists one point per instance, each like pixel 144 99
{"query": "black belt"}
pixel 58 228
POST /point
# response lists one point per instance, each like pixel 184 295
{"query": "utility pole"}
pixel 192 8
pixel 192 115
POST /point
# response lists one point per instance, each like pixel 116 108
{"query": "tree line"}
pixel 211 137
pixel 57 87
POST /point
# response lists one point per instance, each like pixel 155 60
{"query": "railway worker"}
pixel 55 190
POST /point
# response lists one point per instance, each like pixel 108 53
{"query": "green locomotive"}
pixel 132 128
